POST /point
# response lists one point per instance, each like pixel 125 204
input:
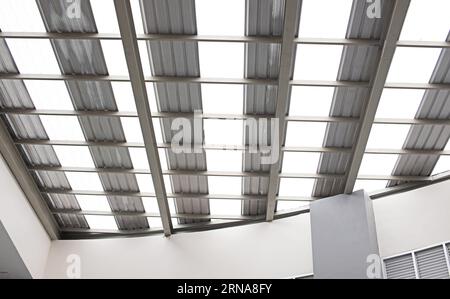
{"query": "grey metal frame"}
pixel 284 82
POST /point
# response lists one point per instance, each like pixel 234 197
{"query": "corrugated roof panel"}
pixel 176 58
pixel 263 18
pixel 85 57
pixel 357 64
pixel 13 94
pixel 435 105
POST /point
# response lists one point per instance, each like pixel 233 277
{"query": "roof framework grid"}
pixel 264 18
pixel 128 33
pixel 291 19
pixel 178 59
pixel 435 105
pixel 357 64
pixel 91 95
pixel 378 81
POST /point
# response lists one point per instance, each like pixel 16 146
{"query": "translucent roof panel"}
pixel 325 18
pixel 221 60
pixel 218 17
pixel 151 97
pixel 145 183
pixel 123 94
pixel 151 205
pixel 222 98
pixel 132 129
pixel 296 162
pixel 62 128
pixel 427 20
pixel 223 132
pixel 220 160
pixel 154 222
pixel 305 134
pixel 413 65
pixel 370 185
pixel 310 101
pixel 139 158
pixel 137 16
pixel 101 222
pixel 47 94
pixel 115 57
pixel 41 60
pixel 105 16
pixel 387 136
pixel 442 165
pixel 84 181
pixel 296 187
pixel 224 185
pixel 145 59
pixel 225 207
pixel 317 62
pixel 24 10
pixel 93 203
pixel 373 164
pixel 74 156
pixel 399 103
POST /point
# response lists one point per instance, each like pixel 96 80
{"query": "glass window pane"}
pixel 220 160
pixel 62 128
pixel 296 187
pixel 218 17
pixel 224 185
pixel 101 222
pixel 24 10
pixel 442 165
pixel 387 136
pixel 41 60
pixel 325 18
pixel 413 65
pixel 373 164
pixel 114 57
pixel 223 132
pixel 399 103
pixel 132 129
pixel 145 183
pixel 317 62
pixel 84 181
pixel 225 207
pixel 221 60
pixel 48 95
pixel 222 98
pixel 295 162
pixel 311 101
pixel 74 156
pixel 105 16
pixel 93 203
pixel 123 94
pixel 305 134
pixel 427 20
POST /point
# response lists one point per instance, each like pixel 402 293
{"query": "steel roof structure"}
pixel 92 95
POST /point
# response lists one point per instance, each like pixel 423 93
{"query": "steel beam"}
pixel 133 58
pixel 377 84
pixel 284 77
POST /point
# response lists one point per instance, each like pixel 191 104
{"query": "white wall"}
pixel 405 222
pixel 414 219
pixel 266 250
pixel 279 249
pixel 22 224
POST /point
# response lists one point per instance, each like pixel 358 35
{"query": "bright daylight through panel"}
pixel 303 140
pixel 330 22
pixel 427 20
